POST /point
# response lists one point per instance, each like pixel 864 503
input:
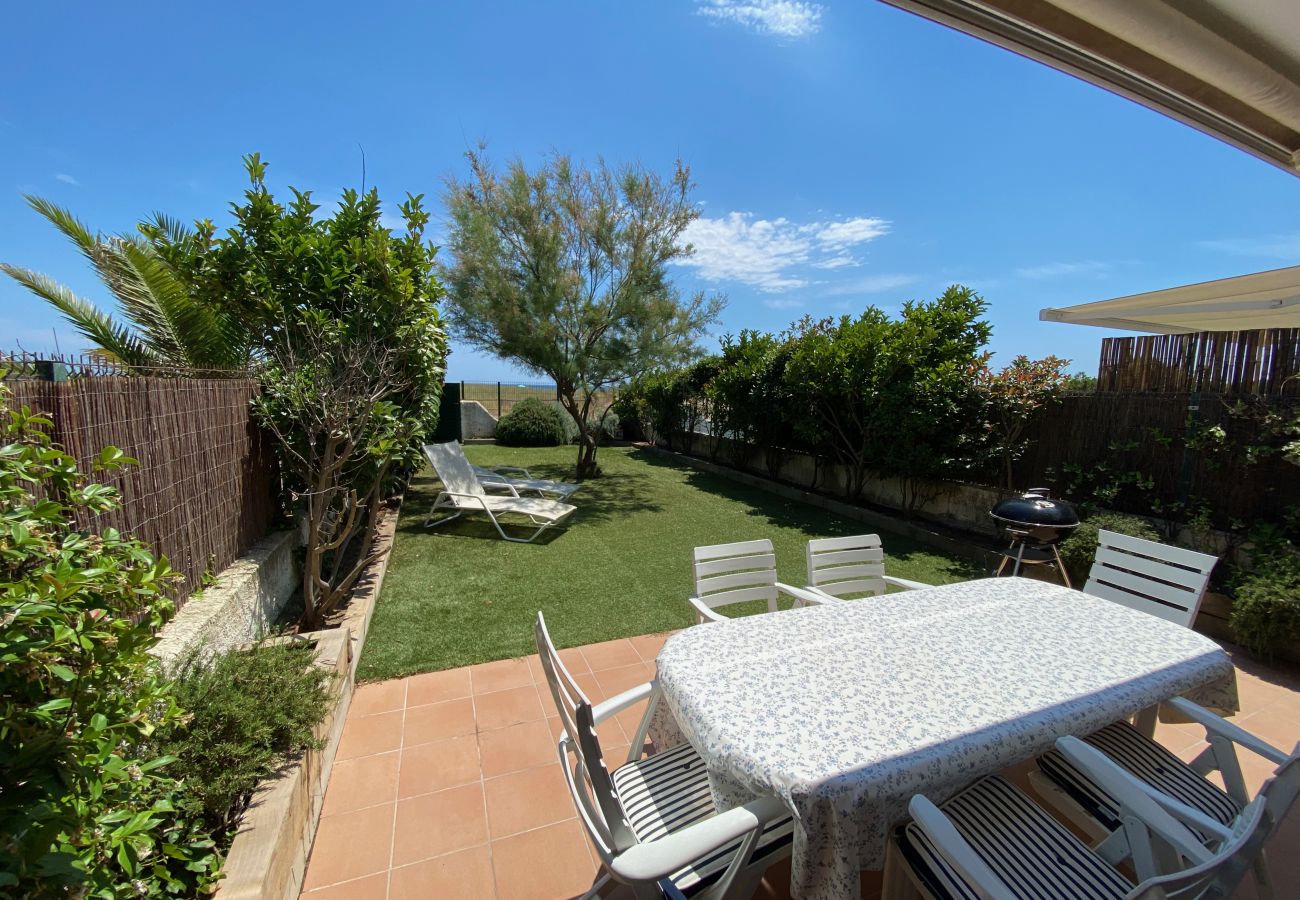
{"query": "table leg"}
pixel 1145 721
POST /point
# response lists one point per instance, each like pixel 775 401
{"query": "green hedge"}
pixel 531 423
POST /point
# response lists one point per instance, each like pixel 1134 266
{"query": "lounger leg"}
pixel 528 540
pixel 437 505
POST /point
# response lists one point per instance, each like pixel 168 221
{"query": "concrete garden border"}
pixel 268 858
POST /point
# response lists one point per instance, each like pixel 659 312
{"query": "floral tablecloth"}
pixel 847 710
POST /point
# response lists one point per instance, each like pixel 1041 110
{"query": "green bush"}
pixel 250 712
pixel 531 423
pixel 603 425
pixel 87 808
pixel 1266 605
pixel 1078 550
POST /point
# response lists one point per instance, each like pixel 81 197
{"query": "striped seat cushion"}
pixel 669 791
pixel 1031 852
pixel 1146 760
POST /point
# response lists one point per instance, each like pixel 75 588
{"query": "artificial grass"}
pixel 457 594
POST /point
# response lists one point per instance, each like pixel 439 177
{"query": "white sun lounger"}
pixel 462 491
pixel 498 479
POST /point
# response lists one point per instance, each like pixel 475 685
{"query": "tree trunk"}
pixel 587 444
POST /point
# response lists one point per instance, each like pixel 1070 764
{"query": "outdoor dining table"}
pixel 847 710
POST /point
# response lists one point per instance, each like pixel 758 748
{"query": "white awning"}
pixel 1230 68
pixel 1263 300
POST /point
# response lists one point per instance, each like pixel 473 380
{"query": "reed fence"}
pixel 204 489
pixel 1113 439
pixel 1262 362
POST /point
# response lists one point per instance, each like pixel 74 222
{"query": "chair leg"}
pixel 1263 879
pixel 897 883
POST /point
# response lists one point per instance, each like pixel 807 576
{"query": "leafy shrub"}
pixel 531 423
pixel 86 807
pixel 1078 550
pixel 251 711
pixel 1266 605
pixel 604 425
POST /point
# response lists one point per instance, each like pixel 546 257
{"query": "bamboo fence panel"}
pixel 1262 362
pixel 204 489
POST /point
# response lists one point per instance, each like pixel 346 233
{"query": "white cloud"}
pixel 1273 246
pixel 764 253
pixel 1057 269
pixel 783 303
pixel 783 18
pixel 872 284
pixel 67 179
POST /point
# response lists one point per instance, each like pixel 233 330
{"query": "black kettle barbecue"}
pixel 1035 524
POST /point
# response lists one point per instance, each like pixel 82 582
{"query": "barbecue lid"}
pixel 1036 507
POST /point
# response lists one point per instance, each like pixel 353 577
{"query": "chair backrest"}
pixel 453 468
pixel 847 565
pixel 1219 875
pixel 735 573
pixel 1155 578
pixel 587 775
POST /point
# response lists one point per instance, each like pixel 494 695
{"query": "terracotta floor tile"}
pixel 648 646
pixel 438 721
pixel 435 824
pixel 367 735
pixel 510 707
pixel 574 661
pixel 500 675
pixel 361 782
pixel 379 697
pixel 437 766
pixel 591 687
pixel 523 746
pixel 546 864
pixel 610 655
pixel 615 681
pixel 527 799
pixel 535 669
pixel 466 875
pixel 437 687
pixel 1273 726
pixel 1177 737
pixel 372 887
pixel 350 845
pixel 629 720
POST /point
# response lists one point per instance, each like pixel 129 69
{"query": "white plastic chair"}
pixel 652 820
pixel 1099 814
pixel 736 573
pixel 990 840
pixel 851 565
pixel 1155 578
pixel 462 492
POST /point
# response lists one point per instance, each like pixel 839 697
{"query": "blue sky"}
pixel 845 153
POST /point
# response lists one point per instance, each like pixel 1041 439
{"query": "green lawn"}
pixel 458 594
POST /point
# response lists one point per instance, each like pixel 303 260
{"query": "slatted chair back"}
pixel 453 469
pixel 846 566
pixel 1220 875
pixel 1155 578
pixel 588 776
pixel 736 573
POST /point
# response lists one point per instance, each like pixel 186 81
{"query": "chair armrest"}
pixel 954 848
pixel 657 859
pixel 804 595
pixel 705 614
pixel 905 584
pixel 1160 813
pixel 603 710
pixel 1222 727
pixel 825 597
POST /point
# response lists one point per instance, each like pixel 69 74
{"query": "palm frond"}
pixel 172 230
pixel 96 326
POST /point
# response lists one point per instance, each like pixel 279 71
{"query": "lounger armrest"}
pixel 705 614
pixel 954 848
pixel 816 598
pixel 503 470
pixel 1220 726
pixel 658 859
pixel 905 584
pixel 489 483
pixel 603 710
pixel 479 497
pixel 1161 813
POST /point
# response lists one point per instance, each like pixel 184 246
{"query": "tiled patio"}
pixel 447 784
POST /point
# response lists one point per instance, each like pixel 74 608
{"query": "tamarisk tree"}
pixel 563 270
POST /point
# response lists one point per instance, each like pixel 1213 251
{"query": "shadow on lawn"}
pixel 604 499
pixel 813 521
